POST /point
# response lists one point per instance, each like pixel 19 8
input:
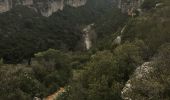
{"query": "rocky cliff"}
pixel 45 7
pixel 141 74
pixel 48 7
pixel 128 6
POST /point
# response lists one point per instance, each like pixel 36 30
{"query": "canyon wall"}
pixel 45 7
pixel 48 7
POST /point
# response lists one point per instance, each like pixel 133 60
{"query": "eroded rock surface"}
pixel 46 7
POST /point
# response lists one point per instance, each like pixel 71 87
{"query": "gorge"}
pixel 84 50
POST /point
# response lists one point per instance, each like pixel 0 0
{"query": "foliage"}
pixel 1 61
pixel 18 83
pixel 152 27
pixel 99 74
pixel 97 80
pixel 128 57
pixel 49 71
pixel 53 69
pixel 105 74
pixel 149 4
pixel 155 84
pixel 24 32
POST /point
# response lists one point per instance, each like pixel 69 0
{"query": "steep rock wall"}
pixel 127 6
pixel 76 3
pixel 45 7
pixel 141 74
pixel 5 5
pixel 48 7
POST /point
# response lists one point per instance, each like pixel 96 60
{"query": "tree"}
pixel 53 69
pixel 128 56
pixel 153 81
pixel 97 81
pixel 18 83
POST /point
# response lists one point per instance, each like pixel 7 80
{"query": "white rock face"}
pixel 46 7
pixel 139 74
pixel 5 5
pixel 27 2
pixel 51 6
pixel 89 35
pixel 127 6
pixel 118 40
pixel 76 3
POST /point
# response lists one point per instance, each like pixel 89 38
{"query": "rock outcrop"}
pixel 48 7
pixel 128 6
pixel 89 36
pixel 140 74
pixel 45 7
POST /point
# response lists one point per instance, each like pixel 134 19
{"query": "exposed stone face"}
pixel 27 2
pixel 89 36
pixel 76 3
pixel 46 7
pixel 141 74
pixel 5 5
pixel 50 6
pixel 127 6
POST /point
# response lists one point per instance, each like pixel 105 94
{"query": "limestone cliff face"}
pixel 89 36
pixel 5 5
pixel 141 75
pixel 45 7
pixel 127 6
pixel 76 3
pixel 48 7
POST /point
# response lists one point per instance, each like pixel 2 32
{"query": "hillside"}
pixel 101 50
pixel 29 32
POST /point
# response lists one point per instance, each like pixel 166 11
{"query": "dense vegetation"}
pixel 25 32
pixel 146 38
pixel 20 82
pixel 98 74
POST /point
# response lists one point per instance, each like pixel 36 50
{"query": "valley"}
pixel 84 49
